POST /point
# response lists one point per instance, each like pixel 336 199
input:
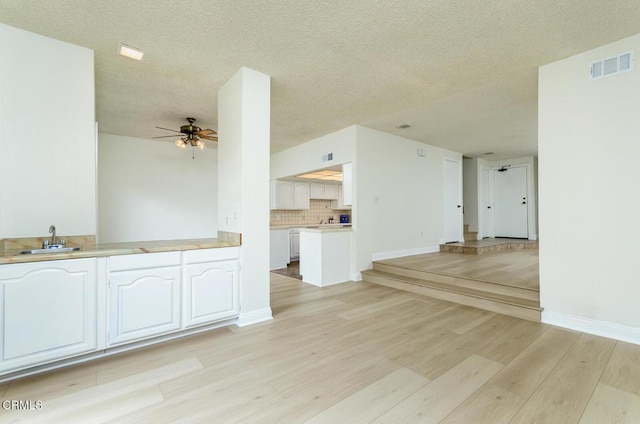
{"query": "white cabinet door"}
pixel 210 292
pixel 143 303
pixel 323 191
pixel 316 190
pixel 279 247
pixel 47 311
pixel 289 195
pixel 301 195
pixel 339 204
pixel 284 195
pixel 295 245
pixel 347 184
pixel 331 191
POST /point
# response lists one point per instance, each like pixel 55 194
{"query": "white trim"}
pixel 356 276
pixel 591 326
pixel 378 256
pixel 254 317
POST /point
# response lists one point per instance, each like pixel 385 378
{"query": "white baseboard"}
pixel 254 317
pixel 591 326
pixel 378 256
pixel 356 276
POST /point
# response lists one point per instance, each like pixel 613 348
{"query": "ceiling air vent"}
pixel 612 65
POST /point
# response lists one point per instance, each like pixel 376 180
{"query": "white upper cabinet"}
pixel 324 191
pixel 331 191
pixel 289 195
pixel 347 183
pixel 301 195
pixel 339 203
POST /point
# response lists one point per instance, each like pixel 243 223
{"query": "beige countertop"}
pixel 285 227
pixel 113 249
pixel 326 230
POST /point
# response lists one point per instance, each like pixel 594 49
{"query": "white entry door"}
pixel 511 203
pixel 452 201
pixel 486 203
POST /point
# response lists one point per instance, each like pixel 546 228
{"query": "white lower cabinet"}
pixel 143 303
pixel 55 310
pixel 210 292
pixel 47 311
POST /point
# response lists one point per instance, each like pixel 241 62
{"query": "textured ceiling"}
pixel 461 72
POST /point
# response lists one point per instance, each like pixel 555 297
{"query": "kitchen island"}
pixel 325 255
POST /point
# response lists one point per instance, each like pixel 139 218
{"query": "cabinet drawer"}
pixel 144 260
pixel 210 255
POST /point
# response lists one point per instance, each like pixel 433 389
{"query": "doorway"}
pixel 452 201
pixel 486 203
pixel 511 202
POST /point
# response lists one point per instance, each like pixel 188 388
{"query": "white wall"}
pixel 400 197
pixel 308 156
pixel 470 176
pixel 152 190
pixel 243 171
pixel 408 216
pixel 47 136
pixel 588 184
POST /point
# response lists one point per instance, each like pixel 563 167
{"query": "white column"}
pixel 243 183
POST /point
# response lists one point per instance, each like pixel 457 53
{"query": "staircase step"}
pixel 470 236
pixel 502 304
pixel 489 248
pixel 457 281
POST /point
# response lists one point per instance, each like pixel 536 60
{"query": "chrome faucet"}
pixel 52 230
pixel 54 243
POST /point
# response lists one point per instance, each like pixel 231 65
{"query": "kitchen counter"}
pixel 113 249
pixel 325 229
pixel 335 225
pixel 325 255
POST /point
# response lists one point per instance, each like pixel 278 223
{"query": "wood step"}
pixel 507 305
pixel 489 248
pixel 457 281
pixel 470 236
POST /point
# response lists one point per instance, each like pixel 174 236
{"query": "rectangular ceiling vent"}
pixel 612 65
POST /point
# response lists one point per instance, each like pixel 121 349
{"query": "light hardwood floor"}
pixel 351 353
pixel 517 268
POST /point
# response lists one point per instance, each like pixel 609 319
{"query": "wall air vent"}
pixel 612 65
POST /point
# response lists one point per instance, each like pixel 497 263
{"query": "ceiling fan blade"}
pixel 206 137
pixel 206 132
pixel 168 129
pixel 166 136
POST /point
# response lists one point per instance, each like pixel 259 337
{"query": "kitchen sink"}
pixel 49 250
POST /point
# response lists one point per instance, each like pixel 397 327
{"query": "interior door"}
pixel 452 201
pixel 486 203
pixel 510 199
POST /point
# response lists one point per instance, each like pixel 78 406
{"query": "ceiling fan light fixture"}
pixel 130 52
pixel 181 142
pixel 200 144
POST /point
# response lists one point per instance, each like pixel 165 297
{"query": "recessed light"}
pixel 130 52
pixel 403 126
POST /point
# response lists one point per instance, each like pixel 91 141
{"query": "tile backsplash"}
pixel 318 210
